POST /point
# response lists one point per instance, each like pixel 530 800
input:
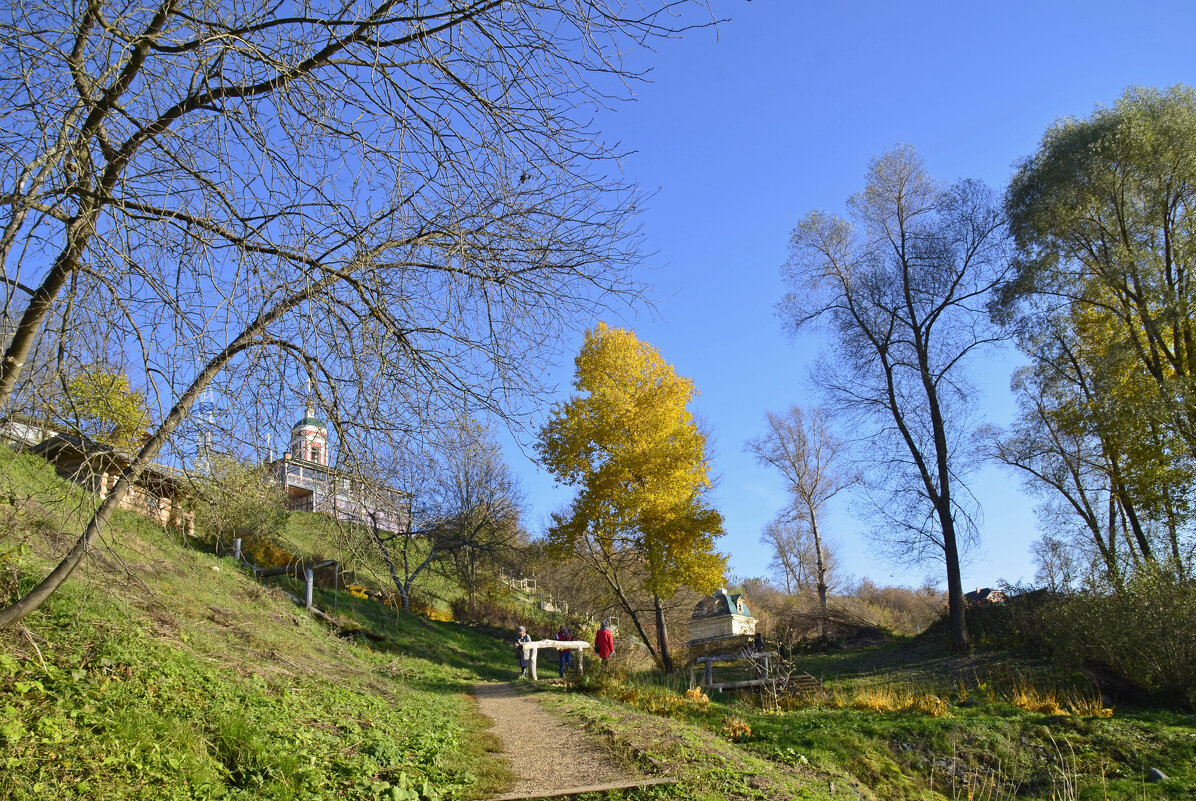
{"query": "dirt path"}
pixel 547 754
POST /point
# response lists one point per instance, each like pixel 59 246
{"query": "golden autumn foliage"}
pixel 101 404
pixel 628 441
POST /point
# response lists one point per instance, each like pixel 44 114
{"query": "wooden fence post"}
pixel 308 581
pixel 237 549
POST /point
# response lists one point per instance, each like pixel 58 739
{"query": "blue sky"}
pixel 745 129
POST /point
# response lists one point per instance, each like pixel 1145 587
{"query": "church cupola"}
pixel 309 439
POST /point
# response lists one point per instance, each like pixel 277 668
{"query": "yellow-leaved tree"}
pixel 628 441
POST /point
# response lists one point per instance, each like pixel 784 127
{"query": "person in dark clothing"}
pixel 524 661
pixel 565 657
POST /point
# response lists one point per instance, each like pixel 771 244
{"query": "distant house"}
pixel 720 616
pixel 158 492
pixel 987 595
pixel 313 486
pixel 22 431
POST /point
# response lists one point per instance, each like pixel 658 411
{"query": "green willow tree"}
pixel 630 445
pixel 1087 442
pixel 1104 219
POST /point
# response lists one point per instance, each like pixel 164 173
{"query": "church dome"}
pixel 309 438
pixel 308 421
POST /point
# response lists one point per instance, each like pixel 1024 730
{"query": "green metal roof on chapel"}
pixel 722 603
pixel 309 421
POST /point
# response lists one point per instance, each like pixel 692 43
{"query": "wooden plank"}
pixel 533 650
pixel 734 657
pixel 741 685
pixel 806 683
pixel 595 788
pixel 560 645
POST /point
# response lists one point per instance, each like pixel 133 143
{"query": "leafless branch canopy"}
pixel 391 207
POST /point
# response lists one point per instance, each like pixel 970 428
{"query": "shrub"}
pixel 1015 624
pixel 695 696
pixel 1142 635
pixel 736 729
pixel 503 613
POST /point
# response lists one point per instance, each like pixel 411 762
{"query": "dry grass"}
pixel 1033 700
pixel 888 698
pixel 736 729
pixel 1052 702
pixel 876 698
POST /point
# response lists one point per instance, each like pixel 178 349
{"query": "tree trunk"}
pixel 820 566
pixel 955 600
pixel 632 613
pixel 14 613
pixel 662 636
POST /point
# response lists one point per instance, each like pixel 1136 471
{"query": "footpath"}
pixel 548 756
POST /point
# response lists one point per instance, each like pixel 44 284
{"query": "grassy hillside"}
pixel 160 671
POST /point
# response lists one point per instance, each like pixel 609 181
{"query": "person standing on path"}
pixel 604 643
pixel 565 657
pixel 524 637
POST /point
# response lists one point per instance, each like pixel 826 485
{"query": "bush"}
pixel 1017 624
pixel 1142 635
pixel 602 679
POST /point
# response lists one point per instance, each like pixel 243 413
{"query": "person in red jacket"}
pixel 604 644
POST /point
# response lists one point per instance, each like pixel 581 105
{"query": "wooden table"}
pixel 532 651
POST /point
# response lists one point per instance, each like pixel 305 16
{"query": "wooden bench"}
pixel 760 659
pixel 803 683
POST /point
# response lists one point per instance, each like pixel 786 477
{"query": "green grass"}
pixel 160 671
pixel 980 746
pixel 163 671
pixel 317 536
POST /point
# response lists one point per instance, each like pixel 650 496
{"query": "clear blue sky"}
pixel 778 112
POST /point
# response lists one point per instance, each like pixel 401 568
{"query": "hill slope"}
pixel 160 671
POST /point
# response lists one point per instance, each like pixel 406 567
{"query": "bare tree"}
pixel 1057 569
pixel 804 565
pixel 809 456
pixel 458 512
pixel 904 292
pixel 399 203
pixel 481 505
pixel 787 555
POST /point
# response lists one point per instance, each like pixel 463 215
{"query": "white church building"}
pixel 312 485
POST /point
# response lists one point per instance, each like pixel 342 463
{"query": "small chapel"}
pixel 721 616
